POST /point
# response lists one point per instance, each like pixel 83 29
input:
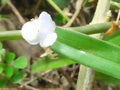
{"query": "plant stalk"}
pixel 87 29
pixel 51 2
pixel 10 35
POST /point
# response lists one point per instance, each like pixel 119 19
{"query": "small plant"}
pixel 72 44
pixel 10 66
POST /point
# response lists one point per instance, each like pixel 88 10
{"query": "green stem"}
pixel 87 29
pixel 51 2
pixel 92 29
pixel 10 35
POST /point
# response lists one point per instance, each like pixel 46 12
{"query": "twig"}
pixel 25 84
pixel 110 88
pixel 1 7
pixel 68 78
pixel 28 87
pixel 36 6
pixel 28 82
pixel 78 8
pixel 118 17
pixel 15 11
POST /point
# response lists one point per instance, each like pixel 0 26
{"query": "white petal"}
pixel 46 22
pixel 48 40
pixel 30 32
pixel 44 15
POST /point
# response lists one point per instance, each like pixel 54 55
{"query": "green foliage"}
pixel 1 69
pixel 3 2
pixel 61 3
pixel 4 16
pixel 17 77
pixel 9 57
pixel 114 5
pixel 20 62
pixel 1 45
pixel 2 54
pixel 100 55
pixel 8 71
pixel 107 79
pixel 85 50
pixel 113 38
pixel 3 82
pixel 10 67
pixel 57 8
pixel 116 0
pixel 47 63
pixel 89 51
pixel 60 19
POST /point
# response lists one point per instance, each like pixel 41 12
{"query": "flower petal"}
pixel 46 22
pixel 48 40
pixel 30 32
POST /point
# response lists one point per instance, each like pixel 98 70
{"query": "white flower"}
pixel 40 31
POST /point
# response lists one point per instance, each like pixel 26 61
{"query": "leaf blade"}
pixel 98 63
pixel 20 62
pixel 49 64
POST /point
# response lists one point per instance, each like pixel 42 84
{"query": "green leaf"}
pixel 45 63
pixel 18 77
pixel 3 82
pixel 20 62
pixel 114 6
pixel 91 45
pixel 4 16
pixel 58 18
pixel 8 71
pixel 61 3
pixel 113 38
pixel 1 69
pixel 116 0
pixel 99 64
pixel 9 57
pixel 107 79
pixel 1 45
pixel 100 55
pixel 3 2
pixel 2 54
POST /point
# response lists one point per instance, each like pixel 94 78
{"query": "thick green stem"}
pixel 92 29
pixel 87 29
pixel 10 35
